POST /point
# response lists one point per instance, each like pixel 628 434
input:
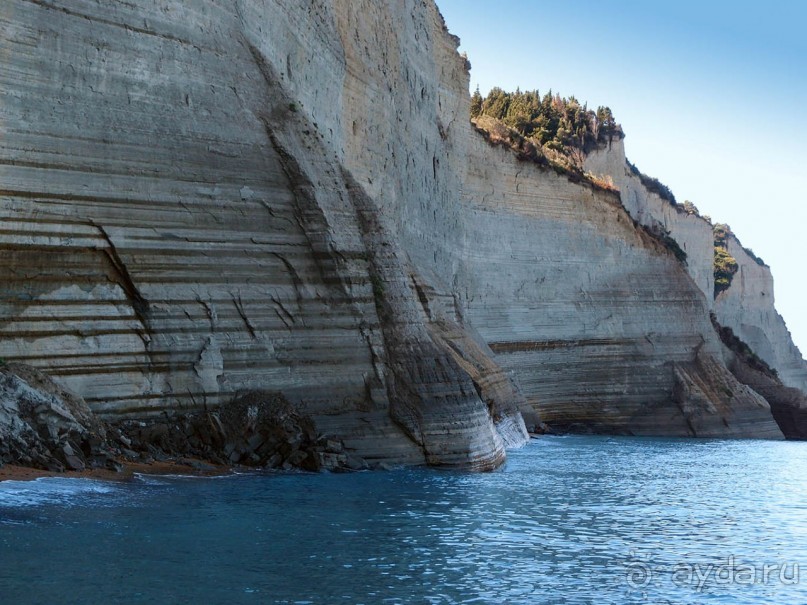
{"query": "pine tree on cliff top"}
pixel 476 103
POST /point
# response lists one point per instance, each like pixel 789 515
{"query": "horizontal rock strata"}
pixel 748 306
pixel 202 200
pixel 599 321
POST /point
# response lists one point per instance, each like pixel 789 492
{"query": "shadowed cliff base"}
pixel 45 427
pixel 788 405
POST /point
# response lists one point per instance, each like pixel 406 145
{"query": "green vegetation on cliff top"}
pixel 551 131
pixel 552 121
pixel 559 132
pixel 725 266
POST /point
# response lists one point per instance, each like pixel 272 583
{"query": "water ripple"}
pixel 568 520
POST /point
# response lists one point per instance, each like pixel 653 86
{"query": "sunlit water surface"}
pixel 567 520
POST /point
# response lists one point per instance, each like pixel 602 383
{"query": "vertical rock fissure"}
pixel 139 303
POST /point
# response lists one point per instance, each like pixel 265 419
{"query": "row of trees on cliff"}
pixel 559 132
pixel 553 121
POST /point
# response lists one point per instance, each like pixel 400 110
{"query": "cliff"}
pixel 205 202
pixel 182 224
pixel 748 306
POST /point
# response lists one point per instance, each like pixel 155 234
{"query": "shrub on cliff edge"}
pixel 725 265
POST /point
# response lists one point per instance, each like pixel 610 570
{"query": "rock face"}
pixel 210 198
pixel 748 306
pixel 42 424
pixel 179 226
pixel 788 404
pixel 598 320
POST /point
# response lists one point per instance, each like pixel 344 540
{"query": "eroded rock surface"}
pixel 42 425
pixel 45 426
pixel 748 305
pixel 190 167
pixel 202 200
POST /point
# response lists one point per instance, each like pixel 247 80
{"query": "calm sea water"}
pixel 568 520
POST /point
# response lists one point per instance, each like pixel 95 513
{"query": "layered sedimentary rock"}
pixel 602 325
pixel 178 226
pixel 788 404
pixel 748 306
pixel 692 233
pixel 201 199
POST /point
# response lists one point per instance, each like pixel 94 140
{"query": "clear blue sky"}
pixel 711 95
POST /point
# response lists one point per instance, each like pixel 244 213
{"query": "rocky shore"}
pixel 48 430
pixel 126 472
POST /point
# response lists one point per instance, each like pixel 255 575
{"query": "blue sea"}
pixel 576 520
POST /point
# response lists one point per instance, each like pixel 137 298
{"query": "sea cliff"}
pixel 267 233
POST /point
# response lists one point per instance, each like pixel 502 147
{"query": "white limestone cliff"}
pixel 748 306
pixel 201 199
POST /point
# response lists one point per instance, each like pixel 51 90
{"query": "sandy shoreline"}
pixel 10 472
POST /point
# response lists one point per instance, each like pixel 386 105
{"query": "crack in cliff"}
pixel 239 306
pixel 138 302
pixel 307 212
pixel 295 278
pixel 283 317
